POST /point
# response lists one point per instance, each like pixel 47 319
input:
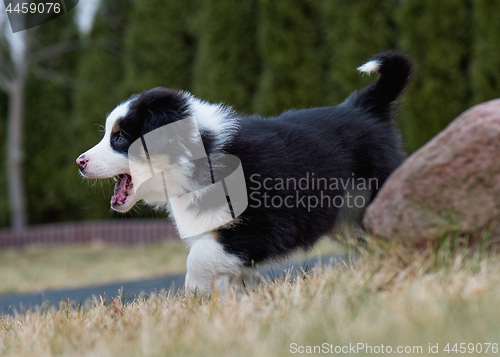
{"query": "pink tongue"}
pixel 121 191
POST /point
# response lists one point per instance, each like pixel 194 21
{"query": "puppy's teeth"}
pixel 115 179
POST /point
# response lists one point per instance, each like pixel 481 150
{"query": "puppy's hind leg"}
pixel 207 263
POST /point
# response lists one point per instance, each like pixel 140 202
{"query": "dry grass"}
pixel 38 268
pixel 390 296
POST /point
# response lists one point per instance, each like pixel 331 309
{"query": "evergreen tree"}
pixel 4 197
pixel 50 172
pixel 159 46
pixel 227 64
pixel 100 73
pixel 100 68
pixel 485 67
pixel 290 42
pixel 355 31
pixel 437 35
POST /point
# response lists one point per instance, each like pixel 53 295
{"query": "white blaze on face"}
pixel 159 166
pixel 103 161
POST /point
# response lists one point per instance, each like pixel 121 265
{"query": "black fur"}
pixel 355 139
pixel 148 111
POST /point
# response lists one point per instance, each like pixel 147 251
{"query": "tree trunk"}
pixel 15 154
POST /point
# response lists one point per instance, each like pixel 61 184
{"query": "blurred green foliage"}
pixel 99 72
pixel 48 141
pixel 227 64
pixel 368 28
pixel 485 66
pixel 4 99
pixel 291 44
pixel 438 37
pixel 261 56
pixel 4 203
pixel 159 46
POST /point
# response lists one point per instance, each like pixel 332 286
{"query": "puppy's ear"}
pixel 160 106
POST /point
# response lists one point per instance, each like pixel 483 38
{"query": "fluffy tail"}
pixel 395 69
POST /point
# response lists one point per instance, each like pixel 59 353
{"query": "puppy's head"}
pixel 126 125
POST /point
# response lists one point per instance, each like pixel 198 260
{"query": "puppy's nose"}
pixel 82 161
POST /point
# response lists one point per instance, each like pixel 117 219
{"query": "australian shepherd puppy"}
pixel 298 171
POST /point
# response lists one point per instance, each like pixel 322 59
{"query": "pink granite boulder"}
pixel 451 184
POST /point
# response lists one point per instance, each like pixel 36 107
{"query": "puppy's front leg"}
pixel 208 262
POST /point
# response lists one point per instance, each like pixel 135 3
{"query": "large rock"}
pixel 452 184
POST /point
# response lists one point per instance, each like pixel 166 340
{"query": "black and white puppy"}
pixel 301 168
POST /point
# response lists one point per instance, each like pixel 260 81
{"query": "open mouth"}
pixel 123 188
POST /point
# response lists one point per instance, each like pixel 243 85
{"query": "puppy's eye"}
pixel 120 138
